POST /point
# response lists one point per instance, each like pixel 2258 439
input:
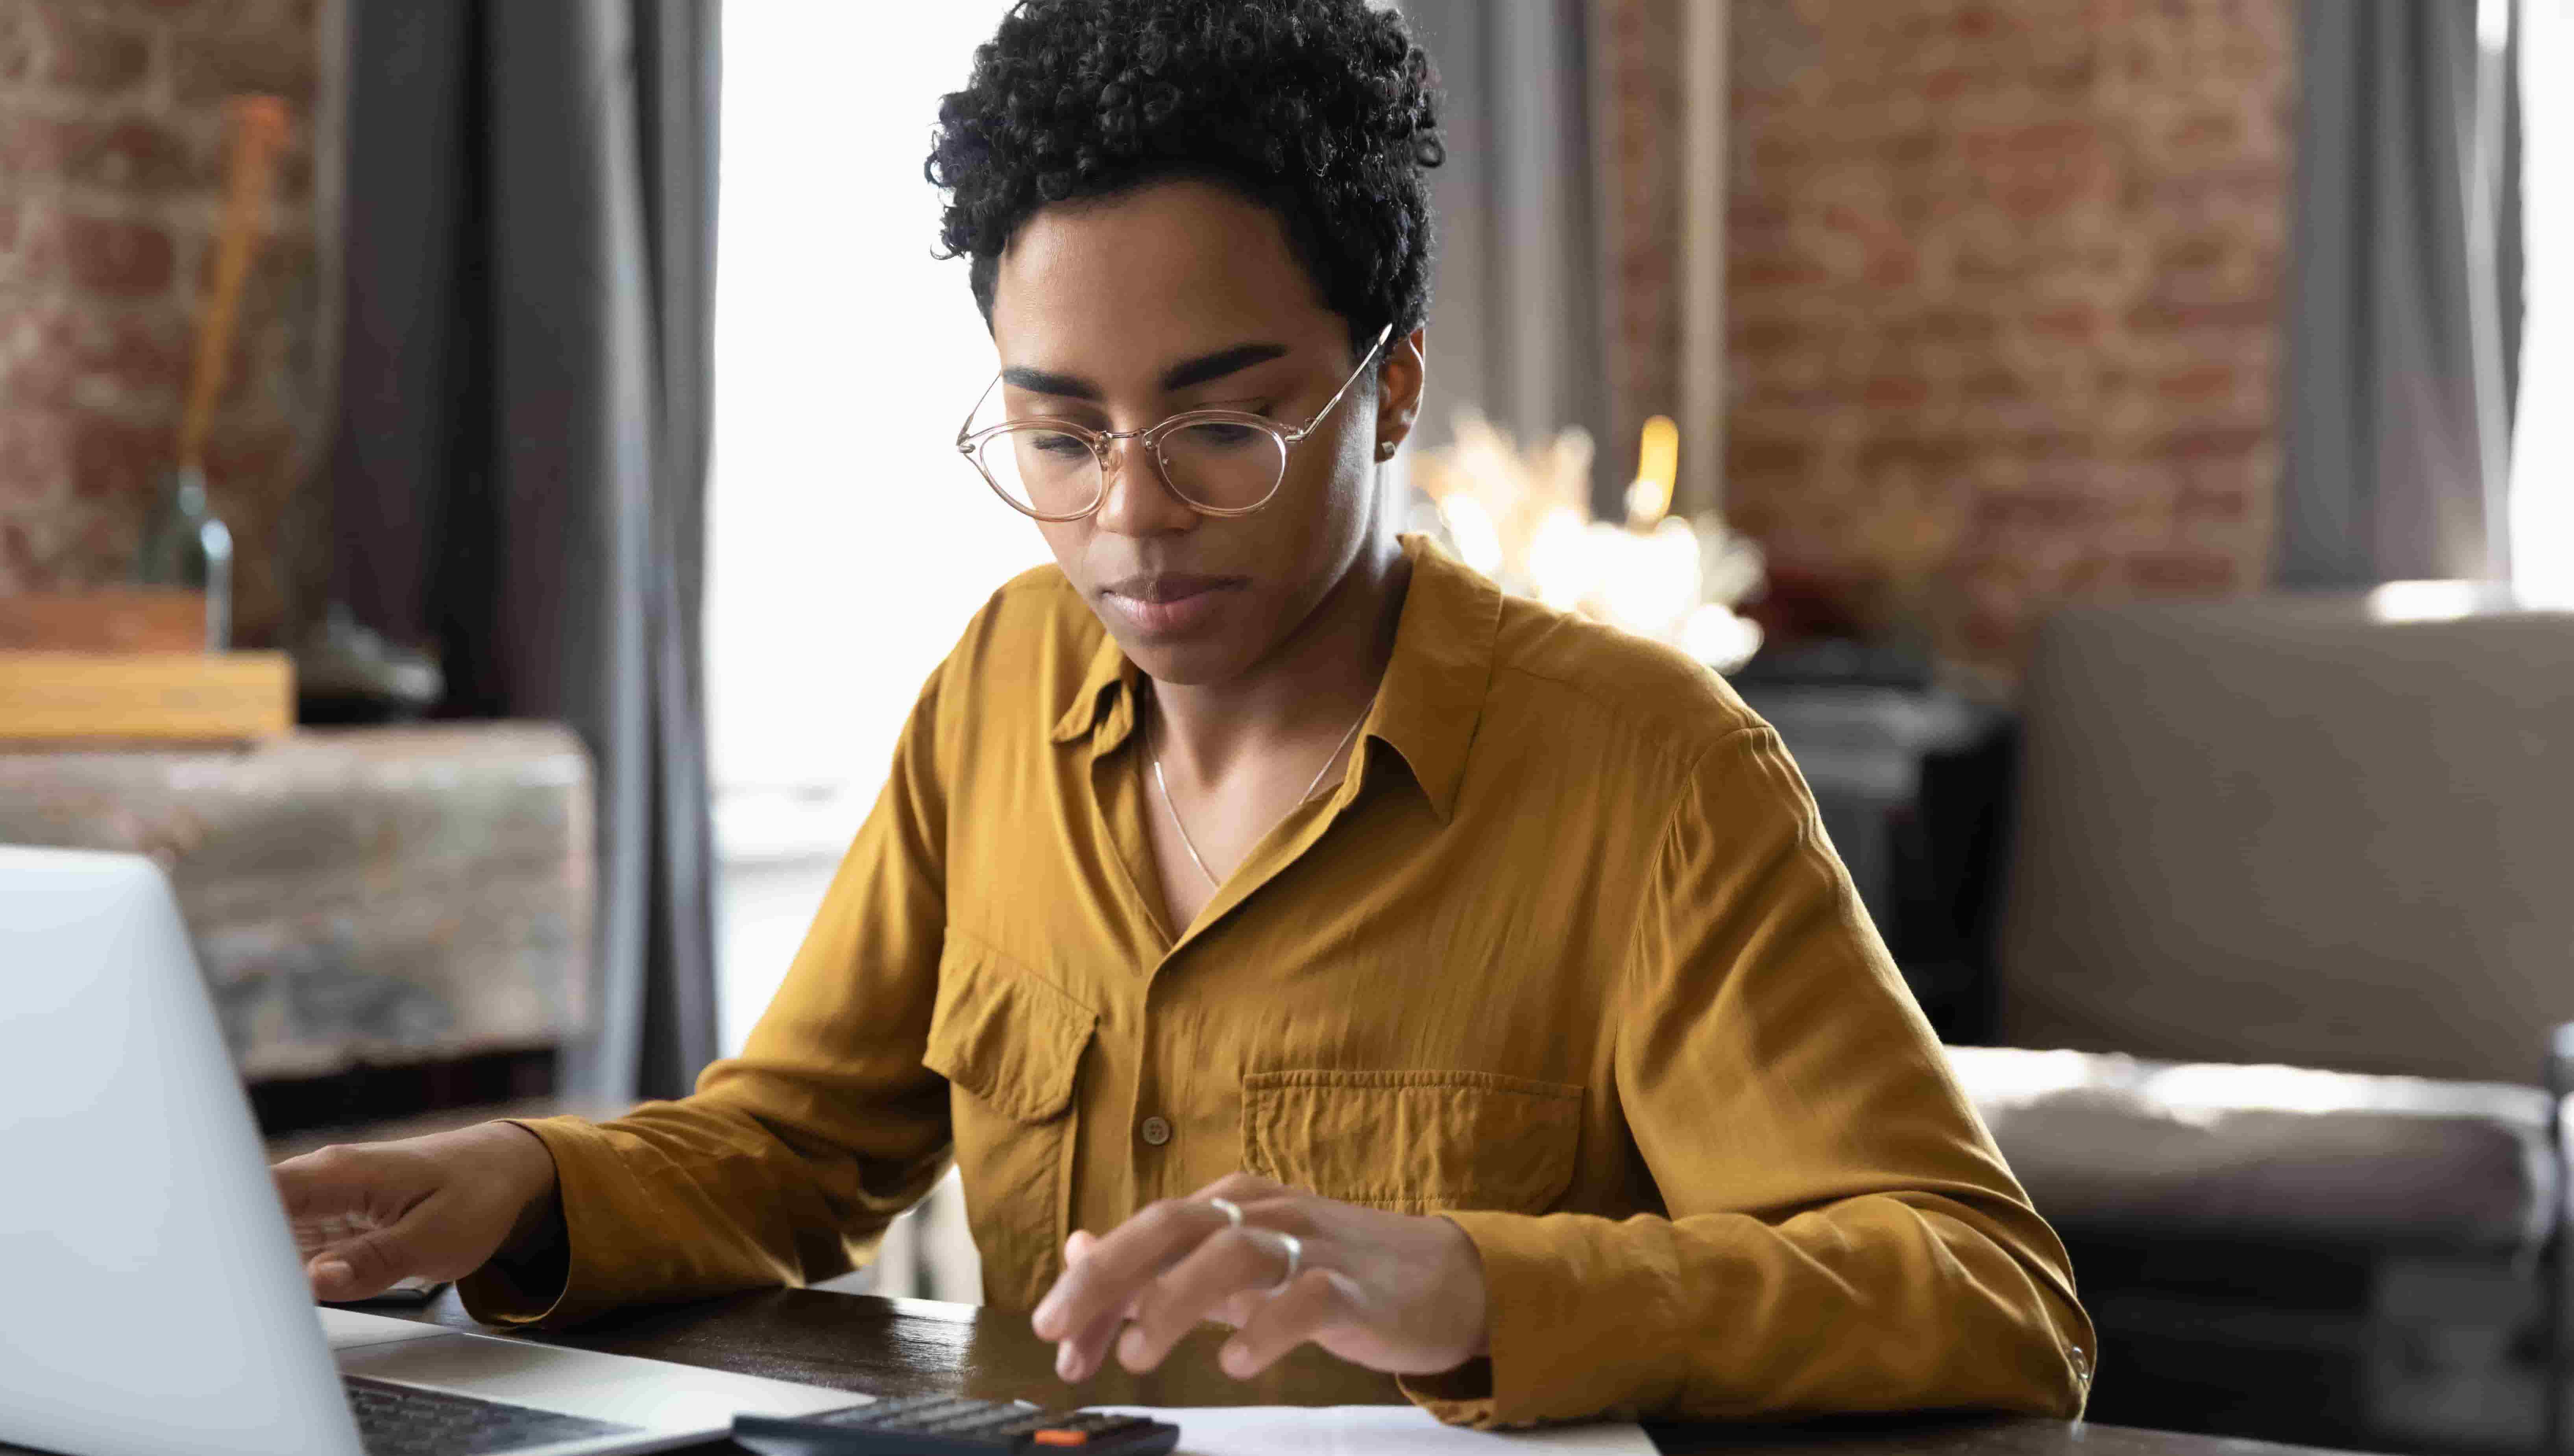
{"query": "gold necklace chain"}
pixel 1153 751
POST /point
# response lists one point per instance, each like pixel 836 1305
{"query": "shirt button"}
pixel 1156 1132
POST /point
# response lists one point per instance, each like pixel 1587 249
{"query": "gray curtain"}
pixel 1516 323
pixel 520 469
pixel 2396 403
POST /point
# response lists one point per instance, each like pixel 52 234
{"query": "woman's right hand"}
pixel 434 1208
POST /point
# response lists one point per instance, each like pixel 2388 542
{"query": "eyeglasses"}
pixel 1222 462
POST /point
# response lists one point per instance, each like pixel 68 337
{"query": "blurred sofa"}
pixel 2287 944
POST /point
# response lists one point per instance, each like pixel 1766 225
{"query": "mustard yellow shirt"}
pixel 1566 958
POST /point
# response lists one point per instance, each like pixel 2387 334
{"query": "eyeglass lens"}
pixel 1215 463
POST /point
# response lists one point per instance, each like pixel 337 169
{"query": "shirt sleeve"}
pixel 1842 1236
pixel 789 1159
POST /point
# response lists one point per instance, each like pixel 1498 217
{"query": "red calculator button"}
pixel 1061 1438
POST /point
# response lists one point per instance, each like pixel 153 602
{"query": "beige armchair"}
pixel 2288 937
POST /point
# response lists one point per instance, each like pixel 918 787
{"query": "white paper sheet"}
pixel 1378 1430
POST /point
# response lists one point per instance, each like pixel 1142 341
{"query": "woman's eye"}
pixel 1217 434
pixel 1058 444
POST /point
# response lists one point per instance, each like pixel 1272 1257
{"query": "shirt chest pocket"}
pixel 1010 1046
pixel 1414 1141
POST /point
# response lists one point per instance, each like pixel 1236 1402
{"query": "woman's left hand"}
pixel 1397 1292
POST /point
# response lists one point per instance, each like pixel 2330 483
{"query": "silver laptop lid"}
pixel 155 1302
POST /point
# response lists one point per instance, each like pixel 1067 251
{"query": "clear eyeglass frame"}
pixel 970 443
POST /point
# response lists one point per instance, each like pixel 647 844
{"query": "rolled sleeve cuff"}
pixel 1578 1323
pixel 587 1175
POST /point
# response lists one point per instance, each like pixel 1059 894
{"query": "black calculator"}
pixel 951 1425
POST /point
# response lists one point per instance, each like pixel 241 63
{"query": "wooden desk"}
pixel 914 1346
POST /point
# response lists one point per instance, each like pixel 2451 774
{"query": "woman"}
pixel 1278 924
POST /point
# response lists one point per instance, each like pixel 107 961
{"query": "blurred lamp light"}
pixel 1471 527
pixel 2433 601
pixel 1647 580
pixel 1716 635
pixel 1561 560
pixel 1522 517
pixel 1658 469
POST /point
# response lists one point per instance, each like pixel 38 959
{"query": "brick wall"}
pixel 1638 110
pixel 112 149
pixel 2004 303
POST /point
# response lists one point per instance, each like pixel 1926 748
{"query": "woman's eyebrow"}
pixel 1216 366
pixel 1199 371
pixel 1047 381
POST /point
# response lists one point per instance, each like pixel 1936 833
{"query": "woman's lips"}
pixel 1170 607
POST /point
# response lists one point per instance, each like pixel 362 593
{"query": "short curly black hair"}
pixel 1325 111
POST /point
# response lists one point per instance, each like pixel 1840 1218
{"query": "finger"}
pixel 1068 1362
pixel 1076 1358
pixel 1242 1188
pixel 332 1181
pixel 1079 1358
pixel 1289 1214
pixel 1231 1264
pixel 1236 1311
pixel 369 1264
pixel 1116 1268
pixel 1296 1315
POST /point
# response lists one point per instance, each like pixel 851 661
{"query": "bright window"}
pixel 847 541
pixel 2542 456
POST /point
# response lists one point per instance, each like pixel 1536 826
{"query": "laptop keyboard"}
pixel 404 1420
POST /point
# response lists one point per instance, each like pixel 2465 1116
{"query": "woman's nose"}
pixel 1135 500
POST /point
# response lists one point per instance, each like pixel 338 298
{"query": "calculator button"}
pixel 1058 1436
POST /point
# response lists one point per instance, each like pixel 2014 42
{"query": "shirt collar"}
pixel 1433 694
pixel 1108 669
pixel 1427 708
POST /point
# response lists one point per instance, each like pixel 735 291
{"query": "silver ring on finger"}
pixel 1294 1248
pixel 1231 1210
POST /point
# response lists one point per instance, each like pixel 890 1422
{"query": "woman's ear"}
pixel 1399 379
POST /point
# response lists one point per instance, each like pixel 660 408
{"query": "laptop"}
pixel 154 1300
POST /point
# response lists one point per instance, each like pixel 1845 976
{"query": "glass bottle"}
pixel 185 546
